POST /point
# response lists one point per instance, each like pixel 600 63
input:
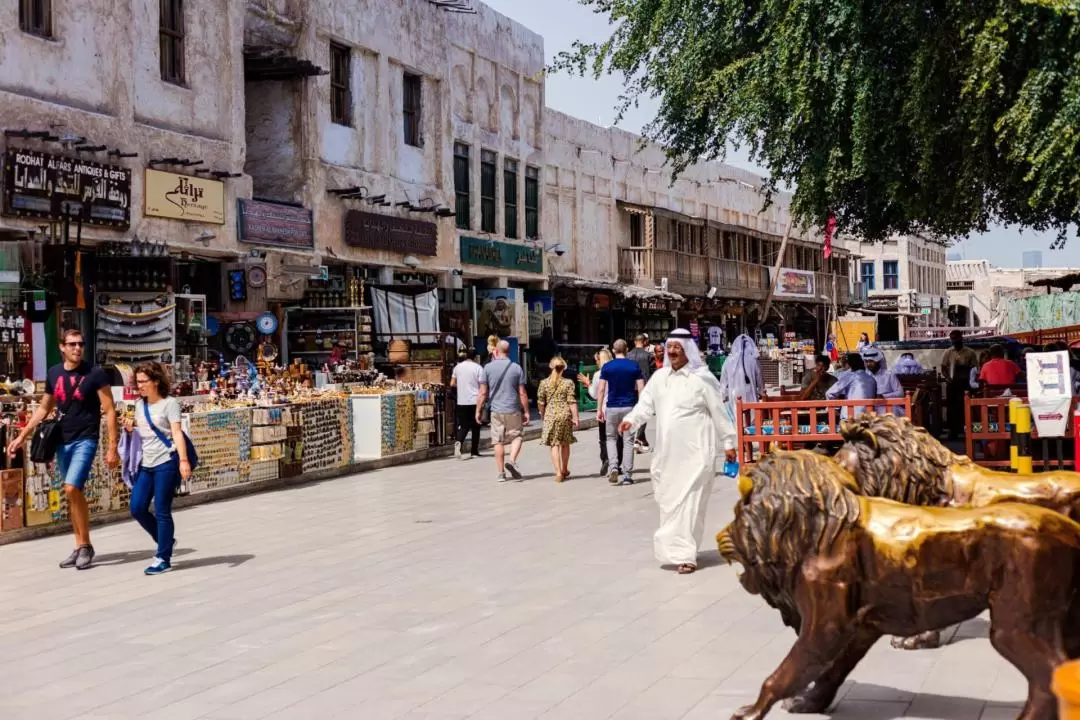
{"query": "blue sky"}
pixel 563 21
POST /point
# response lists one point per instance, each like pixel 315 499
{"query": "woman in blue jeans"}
pixel 163 463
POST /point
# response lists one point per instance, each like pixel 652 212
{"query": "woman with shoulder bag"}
pixel 164 461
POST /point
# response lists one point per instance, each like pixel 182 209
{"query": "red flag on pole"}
pixel 830 228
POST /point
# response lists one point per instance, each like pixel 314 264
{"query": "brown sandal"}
pixel 686 569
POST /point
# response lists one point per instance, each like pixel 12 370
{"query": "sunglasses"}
pixel 76 344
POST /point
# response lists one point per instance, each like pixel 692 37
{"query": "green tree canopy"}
pixel 901 116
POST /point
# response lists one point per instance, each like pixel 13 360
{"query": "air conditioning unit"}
pixel 663 284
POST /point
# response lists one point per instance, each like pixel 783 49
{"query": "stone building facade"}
pixel 89 77
pixel 708 236
pixel 902 279
pixel 411 95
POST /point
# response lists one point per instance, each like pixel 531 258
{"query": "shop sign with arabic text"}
pixel 41 185
pixel 183 197
pixel 270 223
pixel 508 256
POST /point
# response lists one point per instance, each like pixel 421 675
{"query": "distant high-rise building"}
pixel 1031 259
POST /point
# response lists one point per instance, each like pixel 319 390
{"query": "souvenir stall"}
pixel 251 422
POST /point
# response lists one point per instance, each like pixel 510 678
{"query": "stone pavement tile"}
pixel 512 707
pixel 555 686
pixel 935 707
pixel 1001 712
pixel 1009 686
pixel 667 699
pixel 465 699
pixel 721 707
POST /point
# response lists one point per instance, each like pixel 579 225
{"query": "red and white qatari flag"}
pixel 830 228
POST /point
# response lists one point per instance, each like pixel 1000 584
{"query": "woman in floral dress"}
pixel 558 408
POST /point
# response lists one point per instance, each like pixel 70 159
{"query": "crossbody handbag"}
pixel 48 435
pixel 485 411
pixel 192 456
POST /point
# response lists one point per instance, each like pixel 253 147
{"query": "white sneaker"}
pixel 501 477
pixel 457 449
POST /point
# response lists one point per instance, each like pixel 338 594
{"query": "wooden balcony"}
pixel 693 275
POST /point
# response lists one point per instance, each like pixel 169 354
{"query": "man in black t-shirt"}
pixel 80 393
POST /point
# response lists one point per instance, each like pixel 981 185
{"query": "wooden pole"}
pixel 776 273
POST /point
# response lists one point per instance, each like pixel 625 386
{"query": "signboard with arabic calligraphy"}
pixel 183 197
pixel 40 185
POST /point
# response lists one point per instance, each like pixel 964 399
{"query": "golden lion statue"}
pixel 892 458
pixel 844 569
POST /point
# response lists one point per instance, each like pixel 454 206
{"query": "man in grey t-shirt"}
pixel 503 382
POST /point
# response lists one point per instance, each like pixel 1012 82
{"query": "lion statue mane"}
pixel 892 458
pixel 793 505
pixel 895 459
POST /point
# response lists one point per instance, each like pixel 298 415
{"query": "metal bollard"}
pixel 1020 440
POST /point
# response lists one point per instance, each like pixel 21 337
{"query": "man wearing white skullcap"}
pixel 692 423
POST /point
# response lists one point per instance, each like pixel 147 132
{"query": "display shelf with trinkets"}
pixel 223 440
pixel 327 434
pixel 312 333
pixel 134 327
pixel 14 345
pixel 138 266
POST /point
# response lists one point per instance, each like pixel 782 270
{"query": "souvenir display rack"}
pixel 398 426
pixel 14 347
pixel 311 431
pixel 327 434
pixel 311 333
pixel 132 327
pixel 424 403
pixel 223 441
pixel 269 431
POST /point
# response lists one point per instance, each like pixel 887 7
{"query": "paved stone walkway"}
pixel 428 591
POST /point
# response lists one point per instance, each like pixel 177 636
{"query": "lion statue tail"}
pixel 726 547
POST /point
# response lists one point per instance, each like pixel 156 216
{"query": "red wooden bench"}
pixel 763 424
pixel 988 432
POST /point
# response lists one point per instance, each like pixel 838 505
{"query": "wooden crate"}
pixel 11 500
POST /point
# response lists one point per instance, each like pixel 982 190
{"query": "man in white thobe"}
pixel 691 422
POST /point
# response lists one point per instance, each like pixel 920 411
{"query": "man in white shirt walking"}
pixel 466 380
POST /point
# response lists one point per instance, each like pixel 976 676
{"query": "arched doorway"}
pixel 961 316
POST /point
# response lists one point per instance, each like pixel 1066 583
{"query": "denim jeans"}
pixel 159 484
pixel 74 460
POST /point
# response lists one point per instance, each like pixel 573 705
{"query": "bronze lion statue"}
pixel 892 458
pixel 844 569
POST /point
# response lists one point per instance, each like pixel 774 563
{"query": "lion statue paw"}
pixel 807 704
pixel 923 641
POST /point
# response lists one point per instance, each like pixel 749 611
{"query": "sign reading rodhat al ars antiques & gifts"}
pixel 268 223
pixel 182 197
pixel 40 185
pixel 381 232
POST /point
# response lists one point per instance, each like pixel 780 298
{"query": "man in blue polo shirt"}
pixel 617 393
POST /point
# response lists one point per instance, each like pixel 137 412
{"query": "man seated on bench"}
pixel 855 385
pixel 817 381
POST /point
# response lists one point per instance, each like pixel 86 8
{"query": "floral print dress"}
pixel 557 396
